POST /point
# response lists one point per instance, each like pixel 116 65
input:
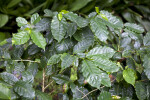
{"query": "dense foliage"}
pixel 63 55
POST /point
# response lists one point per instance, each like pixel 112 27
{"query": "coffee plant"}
pixel 68 56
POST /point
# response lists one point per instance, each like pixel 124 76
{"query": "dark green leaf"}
pixel 140 90
pixel 43 25
pixel 99 29
pixel 80 21
pixel 54 60
pixel 61 79
pixel 94 76
pixel 78 4
pixel 106 52
pixel 113 21
pixel 67 60
pixel 27 77
pixel 134 27
pixel 24 89
pixel 64 45
pixel 13 3
pixel 42 96
pixel 57 28
pixel 105 64
pixel 38 39
pixel 146 40
pixel 146 65
pixel 9 78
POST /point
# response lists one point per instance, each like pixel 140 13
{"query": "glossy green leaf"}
pixel 94 76
pixel 105 64
pixel 99 29
pixel 87 39
pixel 129 76
pixel 106 52
pixel 21 21
pixel 57 28
pixel 42 96
pixel 43 25
pixel 80 21
pixel 61 79
pixel 35 18
pixel 20 38
pixel 64 45
pixel 113 21
pixel 27 77
pixel 72 27
pixel 146 40
pixel 78 4
pixel 9 78
pixel 24 89
pixel 38 39
pixel 54 60
pixel 3 20
pixel 32 68
pixel 140 90
pixel 5 92
pixel 105 96
pixel 134 27
pixel 146 65
pixel 67 60
pixel 76 90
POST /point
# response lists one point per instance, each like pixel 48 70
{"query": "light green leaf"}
pixel 140 89
pixel 9 78
pixel 38 39
pixel 24 89
pixel 105 96
pixel 57 28
pixel 78 4
pixel 101 51
pixel 54 60
pixel 4 92
pixel 35 18
pixel 3 20
pixel 146 40
pixel 134 27
pixel 67 60
pixel 61 79
pixel 21 21
pixel 129 76
pixel 146 66
pixel 99 29
pixel 113 21
pixel 105 64
pixel 42 96
pixel 94 76
pixel 13 3
pixel 20 38
pixel 80 21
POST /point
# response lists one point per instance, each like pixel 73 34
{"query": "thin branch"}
pixel 91 92
pixel 27 60
pixel 48 85
pixel 43 80
pixel 83 93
